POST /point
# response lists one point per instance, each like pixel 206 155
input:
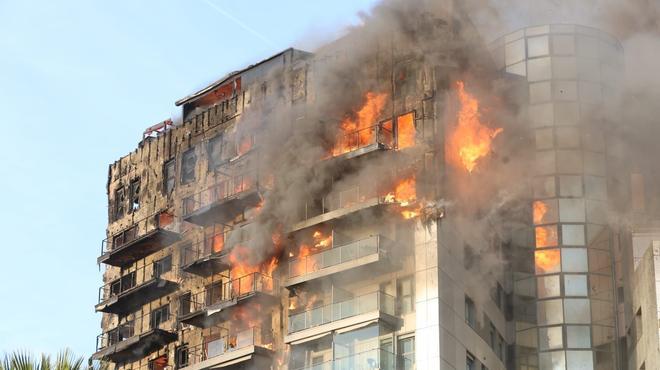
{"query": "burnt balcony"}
pixel 376 358
pixel 237 187
pixel 363 141
pixel 144 237
pixel 252 348
pixel 206 257
pixel 138 287
pixel 217 301
pixel 137 338
pixel 314 322
pixel 348 259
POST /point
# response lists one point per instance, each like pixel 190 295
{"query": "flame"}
pixel 547 260
pixel 246 317
pixel 546 236
pixel 406 130
pixel 358 131
pixel 218 242
pixel 540 209
pixel 471 139
pixel 243 271
pixel 246 143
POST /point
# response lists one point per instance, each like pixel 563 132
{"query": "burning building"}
pixel 376 205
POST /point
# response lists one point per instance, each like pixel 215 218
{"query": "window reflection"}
pixel 547 261
pixel 546 236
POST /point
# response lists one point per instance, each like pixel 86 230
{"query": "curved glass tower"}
pixel 565 290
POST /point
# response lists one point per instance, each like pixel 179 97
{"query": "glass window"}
pixel 564 90
pixel 548 286
pixel 135 195
pixel 169 176
pixel 569 161
pixel 544 138
pixel 514 52
pixel 547 261
pixel 571 210
pixel 574 260
pixel 215 152
pixel 406 295
pixel 550 312
pixel 470 312
pixel 579 360
pixel 406 351
pixel 563 44
pixel 578 336
pixel 551 338
pixel 544 187
pixel 570 186
pixel 564 68
pixel 540 92
pixel 519 69
pixel 566 114
pixel 188 163
pixel 544 211
pixel 577 311
pixel 470 363
pixel 568 137
pixel 572 235
pixel 546 236
pixel 575 285
pixel 538 46
pixel 545 162
pixel 595 187
pixel 528 337
pixel 541 114
pixel 555 360
pixel 538 69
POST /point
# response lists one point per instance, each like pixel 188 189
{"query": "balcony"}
pixel 368 360
pixel 138 287
pixel 364 141
pixel 207 257
pixel 216 302
pixel 368 253
pixel 145 237
pixel 362 309
pixel 237 188
pixel 135 339
pixel 252 347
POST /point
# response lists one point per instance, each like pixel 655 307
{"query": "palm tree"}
pixel 65 360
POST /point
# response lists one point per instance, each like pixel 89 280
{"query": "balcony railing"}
pixel 221 191
pixel 341 199
pixel 139 229
pixel 156 319
pixel 255 336
pixel 368 360
pixel 137 277
pixel 376 301
pixel 230 290
pixel 381 134
pixel 336 256
pixel 209 246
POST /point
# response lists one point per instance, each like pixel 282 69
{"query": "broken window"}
pixel 188 163
pixel 169 176
pixel 159 316
pixel 213 293
pixel 120 203
pixel 182 356
pixel 215 152
pixel 470 312
pixel 162 266
pixel 185 303
pixel 134 195
pixel 158 363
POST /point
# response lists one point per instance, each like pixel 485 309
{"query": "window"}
pixel 182 356
pixel 470 312
pixel 492 336
pixel 159 316
pixel 120 203
pixel 134 195
pixel 406 352
pixel 184 303
pixel 169 174
pixel 470 362
pixel 159 363
pixel 162 266
pixel 406 295
pixel 188 163
pixel 502 348
pixel 214 293
pixel 215 152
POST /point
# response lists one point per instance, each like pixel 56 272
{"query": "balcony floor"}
pixel 374 204
pixel 258 358
pixel 224 210
pixel 207 266
pixel 139 248
pixel 136 347
pixel 350 269
pixel 135 297
pixel 221 311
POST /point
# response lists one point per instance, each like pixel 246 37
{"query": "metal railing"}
pixel 224 188
pixel 159 318
pixel 376 301
pixel 136 230
pixel 368 360
pixel 380 133
pixel 230 290
pixel 255 336
pixel 339 199
pixel 135 277
pixel 336 255
pixel 211 245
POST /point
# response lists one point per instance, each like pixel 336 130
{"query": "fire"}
pixel 547 260
pixel 246 317
pixel 405 191
pixel 319 242
pixel 218 242
pixel 356 132
pixel 540 209
pixel 406 130
pixel 471 139
pixel 244 271
pixel 546 236
pixel 245 144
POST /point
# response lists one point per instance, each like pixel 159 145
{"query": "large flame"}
pixel 547 260
pixel 471 140
pixel 319 242
pixel 406 131
pixel 545 236
pixel 357 130
pixel 243 271
pixel 540 209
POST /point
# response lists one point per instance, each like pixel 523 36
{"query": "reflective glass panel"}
pixel 540 92
pixel 595 187
pixel 544 211
pixel 572 235
pixel 555 360
pixel 547 261
pixel 514 52
pixel 563 44
pixel 550 312
pixel 577 311
pixel 544 187
pixel 541 114
pixel 578 336
pixel 570 186
pixel 538 46
pixel 566 113
pixel 546 236
pixel 551 338
pixel 545 162
pixel 580 360
pixel 539 69
pixel 574 260
pixel 548 286
pixel 571 210
pixel 575 285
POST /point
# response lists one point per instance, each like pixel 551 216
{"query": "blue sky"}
pixel 79 82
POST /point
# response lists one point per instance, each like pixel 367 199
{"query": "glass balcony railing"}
pixel 368 360
pixel 227 343
pixel 381 133
pixel 336 256
pixel 224 189
pixel 376 301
